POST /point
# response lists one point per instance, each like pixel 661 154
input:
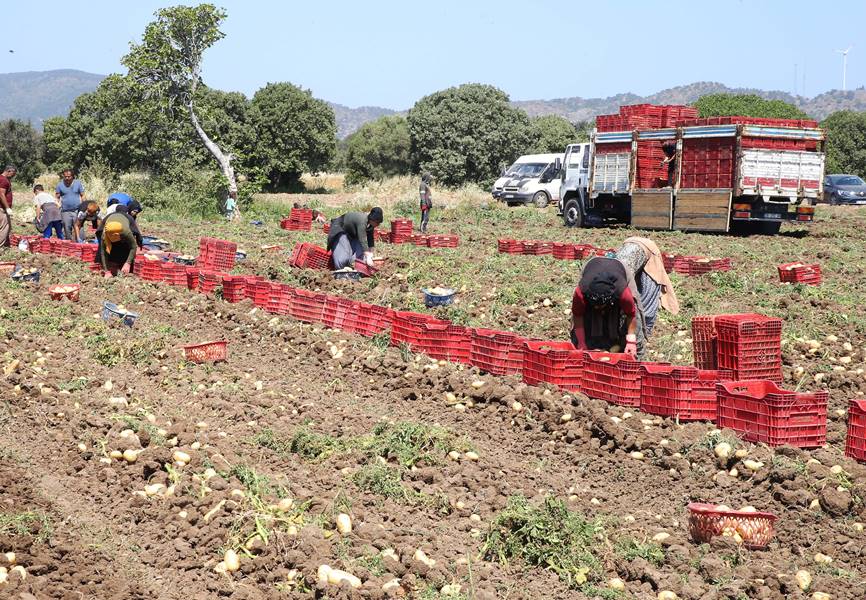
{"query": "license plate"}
pixel 772 216
pixel 509 195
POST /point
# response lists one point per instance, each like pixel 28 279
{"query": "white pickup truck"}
pixel 532 178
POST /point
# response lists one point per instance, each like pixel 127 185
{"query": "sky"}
pixel 390 53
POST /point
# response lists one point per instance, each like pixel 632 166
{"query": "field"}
pixel 459 485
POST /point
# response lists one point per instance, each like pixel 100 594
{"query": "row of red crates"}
pixel 560 250
pixel 741 120
pixel 299 219
pixel 57 247
pixel 694 265
pixel 402 233
pixel 645 116
pixel 800 273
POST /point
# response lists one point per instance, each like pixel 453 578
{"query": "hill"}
pixel 350 119
pixel 37 95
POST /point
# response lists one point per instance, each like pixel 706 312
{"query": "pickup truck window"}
pixel 586 158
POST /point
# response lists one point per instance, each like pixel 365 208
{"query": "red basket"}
pixel 855 444
pixel 372 319
pixel 800 273
pixel 310 256
pixel 339 312
pixel 558 363
pixel 706 521
pixel 234 288
pixel 206 352
pixel 217 255
pixel 750 345
pixel 564 251
pixel 509 246
pixel 70 291
pixel 192 277
pixel 761 412
pixel 704 342
pixel 683 393
pixel 419 239
pixel 613 377
pixel 443 241
pixel 308 307
pixel 497 352
pixel 208 281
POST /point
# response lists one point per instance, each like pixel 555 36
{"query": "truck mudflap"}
pixel 702 210
pixel 652 209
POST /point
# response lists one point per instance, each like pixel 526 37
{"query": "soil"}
pixel 83 388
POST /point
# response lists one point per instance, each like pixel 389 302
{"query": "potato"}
pixel 804 579
pixel 344 523
pixel 232 561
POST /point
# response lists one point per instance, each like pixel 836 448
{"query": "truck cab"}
pixel 533 178
pixel 573 180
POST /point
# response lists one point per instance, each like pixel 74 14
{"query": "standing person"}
pixel 6 204
pixel 352 236
pixel 617 300
pixel 88 212
pixel 117 244
pixel 670 159
pixel 70 192
pixel 426 200
pixel 47 212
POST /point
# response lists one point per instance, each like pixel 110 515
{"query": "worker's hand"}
pixel 106 275
pixel 9 212
pixel 125 269
pixel 368 259
pixel 631 348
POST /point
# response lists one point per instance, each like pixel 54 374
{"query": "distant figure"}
pixel 426 200
pixel 47 212
pixel 231 208
pixel 6 204
pixel 70 193
pixel 670 150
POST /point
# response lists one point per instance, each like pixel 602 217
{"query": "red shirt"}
pixel 604 338
pixel 626 304
pixel 5 183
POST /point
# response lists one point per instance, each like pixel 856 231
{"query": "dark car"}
pixel 844 189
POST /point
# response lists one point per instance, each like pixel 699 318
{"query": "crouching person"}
pixel 352 236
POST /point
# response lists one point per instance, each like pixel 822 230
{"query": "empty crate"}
pixel 497 352
pixel 855 446
pixel 750 345
pixel 613 377
pixel 557 363
pixel 683 393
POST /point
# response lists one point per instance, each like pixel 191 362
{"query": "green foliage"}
pixel 296 133
pixel 846 142
pixel 36 524
pixel 631 549
pixel 384 481
pixel 548 536
pixel 464 133
pixel 747 105
pixel 551 133
pixel 21 145
pixel 410 443
pixel 378 149
pixel 304 442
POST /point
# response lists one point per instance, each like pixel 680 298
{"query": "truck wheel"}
pixel 572 214
pixel 540 199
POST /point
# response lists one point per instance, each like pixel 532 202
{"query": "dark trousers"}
pixel 56 227
pixel 425 218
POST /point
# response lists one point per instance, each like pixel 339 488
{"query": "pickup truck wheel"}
pixel 540 199
pixel 572 215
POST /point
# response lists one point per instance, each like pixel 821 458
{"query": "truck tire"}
pixel 572 213
pixel 540 199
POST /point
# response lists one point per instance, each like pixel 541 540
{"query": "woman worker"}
pixel 118 241
pixel 617 300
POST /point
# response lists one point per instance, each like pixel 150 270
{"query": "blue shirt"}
pixel 70 197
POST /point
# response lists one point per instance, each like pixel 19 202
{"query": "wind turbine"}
pixel 844 54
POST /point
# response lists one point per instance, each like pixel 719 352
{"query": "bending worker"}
pixel 615 305
pixel 352 236
pixel 118 242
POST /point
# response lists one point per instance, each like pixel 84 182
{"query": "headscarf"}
pixel 134 205
pixel 603 281
pixel 111 234
pixel 376 215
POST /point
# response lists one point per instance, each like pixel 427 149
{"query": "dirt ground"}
pixel 259 454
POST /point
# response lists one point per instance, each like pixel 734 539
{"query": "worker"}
pixel 88 212
pixel 118 243
pixel 426 200
pixel 117 199
pixel 352 236
pixel 48 216
pixel 616 303
pixel 670 159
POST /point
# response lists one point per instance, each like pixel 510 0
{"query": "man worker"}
pixel 70 192
pixel 115 200
pixel 352 236
pixel 47 212
pixel 88 212
pixel 426 200
pixel 6 204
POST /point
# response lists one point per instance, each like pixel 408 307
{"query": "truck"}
pixel 722 174
pixel 533 178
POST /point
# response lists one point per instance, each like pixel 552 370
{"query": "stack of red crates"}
pixel 174 274
pixel 299 219
pixel 698 265
pixel 612 377
pixel 564 251
pixel 674 113
pixel 192 277
pixel 761 412
pixel 418 239
pixel 148 269
pixel 651 171
pixel 310 256
pixel 401 230
pixel 250 286
pixel 497 352
pixel 509 246
pixel 680 392
pixel 537 247
pixel 855 444
pixel 645 116
pixel 707 163
pixel 307 306
pixel 750 345
pixel 259 292
pixel 234 288
pixel 215 254
pixel 88 252
pixel 443 241
pixel 800 273
pixel 208 281
pixel 557 363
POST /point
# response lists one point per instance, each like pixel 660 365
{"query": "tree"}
pixel 464 133
pixel 551 133
pixel 21 145
pixel 846 142
pixel 168 62
pixel 746 105
pixel 378 149
pixel 295 132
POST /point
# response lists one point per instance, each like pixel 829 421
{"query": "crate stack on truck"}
pixel 721 174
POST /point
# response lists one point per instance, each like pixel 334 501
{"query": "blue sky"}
pixel 390 53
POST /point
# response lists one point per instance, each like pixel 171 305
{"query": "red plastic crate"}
pixel 441 340
pixel 537 247
pixel 750 345
pixel 339 312
pixel 250 288
pixel 509 246
pixel 418 239
pixel 372 319
pixel 206 352
pixel 234 288
pixel 704 345
pixel 443 241
pixel 679 392
pixel 800 273
pixel 148 269
pixel 174 274
pixel 406 328
pixel 208 281
pixel 310 256
pixel 307 306
pixel 761 412
pixel 260 293
pixel 497 352
pixel 281 299
pixel 381 235
pixel 564 251
pixel 216 254
pixel 855 444
pixel 612 377
pixel 401 230
pixel 557 363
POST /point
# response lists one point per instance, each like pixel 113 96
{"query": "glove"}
pixel 125 269
pixel 368 259
pixel 631 344
pixel 9 212
pixel 107 275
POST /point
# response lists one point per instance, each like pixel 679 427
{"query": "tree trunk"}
pixel 224 160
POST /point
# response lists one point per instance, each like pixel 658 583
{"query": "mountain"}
pixel 36 95
pixel 350 119
pixel 581 109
